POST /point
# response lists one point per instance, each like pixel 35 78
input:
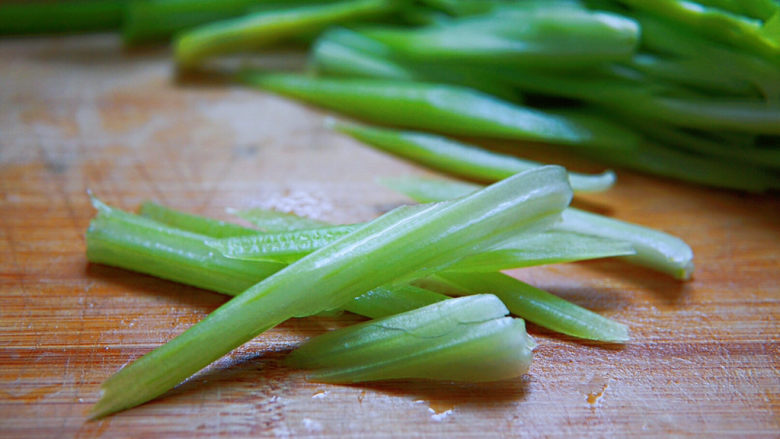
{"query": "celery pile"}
pixel 379 269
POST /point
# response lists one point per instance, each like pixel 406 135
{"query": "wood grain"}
pixel 80 113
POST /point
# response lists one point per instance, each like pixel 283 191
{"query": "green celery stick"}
pixel 273 221
pixel 539 306
pixel 404 245
pixel 111 241
pixel 464 339
pixel 654 249
pixel 280 246
pixel 560 35
pixel 267 27
pixel 140 244
pixel 458 158
pixel 37 17
pixel 547 247
pixel 447 109
pixel 194 223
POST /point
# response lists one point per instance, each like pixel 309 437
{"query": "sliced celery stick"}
pixel 140 244
pixel 394 247
pixel 654 249
pixel 459 158
pixel 194 223
pixel 539 306
pixel 465 339
pixel 280 246
pixel 273 221
pixel 548 247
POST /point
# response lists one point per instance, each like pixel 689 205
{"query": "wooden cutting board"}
pixel 80 113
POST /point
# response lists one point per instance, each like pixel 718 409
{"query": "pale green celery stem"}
pixel 351 344
pixel 495 350
pixel 468 335
pixel 546 247
pixel 135 243
pixel 403 245
pixel 654 249
pixel 459 158
pixel 539 306
pixel 194 223
pixel 265 28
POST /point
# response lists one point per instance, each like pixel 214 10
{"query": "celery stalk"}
pixel 469 335
pixel 654 249
pixel 547 247
pixel 539 306
pixel 140 244
pixel 404 245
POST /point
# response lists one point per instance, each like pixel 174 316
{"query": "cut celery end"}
pixel 464 339
pixel 128 241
